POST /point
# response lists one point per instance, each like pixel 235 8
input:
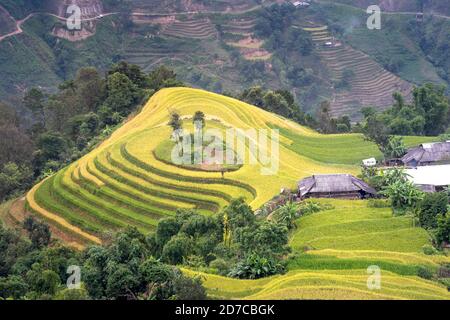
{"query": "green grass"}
pixel 336 267
pixel 354 226
pixel 340 149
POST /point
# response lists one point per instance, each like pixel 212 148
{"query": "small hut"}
pixel 343 186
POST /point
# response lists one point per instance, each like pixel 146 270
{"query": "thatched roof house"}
pixel 334 186
pixel 428 153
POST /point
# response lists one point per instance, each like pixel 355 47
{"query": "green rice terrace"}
pixel 129 180
pixel 333 250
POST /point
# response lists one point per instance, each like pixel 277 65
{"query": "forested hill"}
pixel 225 46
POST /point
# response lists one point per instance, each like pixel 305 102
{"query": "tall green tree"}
pixel 433 207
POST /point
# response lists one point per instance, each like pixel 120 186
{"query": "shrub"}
pixel 445 282
pixel 255 267
pixel 433 206
pixel 443 230
pixel 189 288
pixel 429 250
pixel 378 203
pixel 309 207
pixel 425 273
pixel 220 266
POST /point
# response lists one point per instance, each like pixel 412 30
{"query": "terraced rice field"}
pixel 239 33
pixel 370 84
pixel 126 181
pixel 342 243
pixel 123 183
pixel 194 29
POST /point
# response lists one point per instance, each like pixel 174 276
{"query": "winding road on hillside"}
pixel 406 13
pixel 19 23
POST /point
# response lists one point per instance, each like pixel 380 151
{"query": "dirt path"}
pixel 19 23
pixel 17 213
pixel 236 12
pixel 385 12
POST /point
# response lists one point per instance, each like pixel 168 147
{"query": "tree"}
pixel 122 283
pixel 52 145
pixel 13 287
pixel 122 93
pixel 395 147
pixel 166 229
pixel 432 207
pixel 133 72
pixel 199 120
pixel 157 278
pixel 431 101
pixel 375 130
pixel 176 124
pixel 34 100
pixel 254 96
pixel 326 125
pixel 38 232
pixel 177 249
pixel 163 77
pixel 41 281
pixel 443 230
pixel 255 267
pixel 189 288
pixel 403 195
pixel 90 89
pixel 268 239
pixel 239 214
pixel 13 179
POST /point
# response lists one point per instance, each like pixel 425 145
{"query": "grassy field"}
pixel 342 243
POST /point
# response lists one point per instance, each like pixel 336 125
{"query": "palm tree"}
pixel 395 147
pixel 199 120
pixel 176 124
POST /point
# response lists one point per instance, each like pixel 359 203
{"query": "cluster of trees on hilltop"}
pixel 281 102
pixel 69 123
pixel 34 267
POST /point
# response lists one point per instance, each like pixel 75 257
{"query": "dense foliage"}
pixel 35 268
pixel 428 114
pixel 72 121
pixel 281 102
pixel 234 235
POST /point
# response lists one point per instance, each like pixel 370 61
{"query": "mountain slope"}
pixel 130 180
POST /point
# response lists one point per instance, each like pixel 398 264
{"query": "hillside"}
pixel 129 180
pixel 342 243
pixel 431 6
pixel 214 46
